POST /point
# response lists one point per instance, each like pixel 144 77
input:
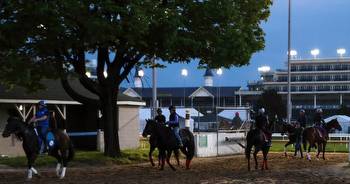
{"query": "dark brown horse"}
pixel 256 138
pixel 62 150
pixel 163 138
pixel 316 137
pixel 292 138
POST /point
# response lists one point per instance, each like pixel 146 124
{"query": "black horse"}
pixel 163 138
pixel 62 150
pixel 292 137
pixel 256 138
pixel 313 136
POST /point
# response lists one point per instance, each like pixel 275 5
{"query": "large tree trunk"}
pixel 110 122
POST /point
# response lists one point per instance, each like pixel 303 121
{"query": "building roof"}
pixel 225 91
pixel 55 94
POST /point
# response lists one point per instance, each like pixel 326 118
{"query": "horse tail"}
pixel 71 152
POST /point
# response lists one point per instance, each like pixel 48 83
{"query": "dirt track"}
pixel 231 169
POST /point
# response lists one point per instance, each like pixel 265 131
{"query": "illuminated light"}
pixel 88 74
pixel 141 73
pixel 315 52
pixel 219 71
pixel 184 72
pixel 341 52
pixel 264 69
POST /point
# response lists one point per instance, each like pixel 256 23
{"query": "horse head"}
pixel 149 128
pixel 334 124
pixel 286 127
pixel 13 126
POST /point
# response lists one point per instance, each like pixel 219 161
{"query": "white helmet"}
pixel 302 110
pixel 261 111
pixel 319 110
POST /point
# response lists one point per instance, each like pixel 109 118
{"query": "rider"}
pixel 41 117
pixel 261 123
pixel 319 121
pixel 174 124
pixel 298 138
pixel 302 118
pixel 160 118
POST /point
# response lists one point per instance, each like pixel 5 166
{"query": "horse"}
pixel 256 138
pixel 313 136
pixel 62 150
pixel 290 129
pixel 163 138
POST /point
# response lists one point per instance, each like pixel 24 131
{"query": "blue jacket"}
pixel 174 120
pixel 40 113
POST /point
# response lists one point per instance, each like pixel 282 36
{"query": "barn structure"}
pixel 80 121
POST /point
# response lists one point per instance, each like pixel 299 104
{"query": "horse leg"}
pixel 64 155
pixel 265 158
pixel 308 157
pixel 285 148
pixel 255 157
pixel 31 156
pixel 150 155
pixel 319 149
pixel 177 155
pixel 55 154
pixel 162 158
pixel 324 149
pixel 168 155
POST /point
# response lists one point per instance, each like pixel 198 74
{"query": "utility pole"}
pixel 289 101
pixel 154 88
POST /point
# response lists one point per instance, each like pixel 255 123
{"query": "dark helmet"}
pixel 42 103
pixel 171 107
pixel 159 110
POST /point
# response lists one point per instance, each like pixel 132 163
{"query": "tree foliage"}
pixel 343 110
pixel 49 39
pixel 273 104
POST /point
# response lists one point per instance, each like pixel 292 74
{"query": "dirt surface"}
pixel 232 169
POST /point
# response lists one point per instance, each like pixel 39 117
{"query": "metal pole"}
pixel 289 101
pixel 154 88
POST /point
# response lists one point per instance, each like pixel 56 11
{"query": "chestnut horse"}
pixel 315 135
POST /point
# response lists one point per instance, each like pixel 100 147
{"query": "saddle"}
pixel 320 132
pixel 50 140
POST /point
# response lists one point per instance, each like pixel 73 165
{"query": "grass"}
pixel 131 156
pixel 84 158
pixel 330 147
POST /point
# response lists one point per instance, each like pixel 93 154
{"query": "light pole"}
pixel 289 101
pixel 219 73
pixel 341 52
pixel 184 73
pixel 154 87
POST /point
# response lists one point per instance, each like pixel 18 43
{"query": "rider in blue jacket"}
pixel 174 124
pixel 41 119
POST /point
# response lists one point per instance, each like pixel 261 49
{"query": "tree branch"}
pixel 101 54
pixel 90 85
pixel 82 99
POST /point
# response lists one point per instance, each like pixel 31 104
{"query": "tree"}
pixel 52 39
pixel 273 104
pixel 343 110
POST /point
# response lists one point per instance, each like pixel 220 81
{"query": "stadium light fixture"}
pixel 315 52
pixel 341 51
